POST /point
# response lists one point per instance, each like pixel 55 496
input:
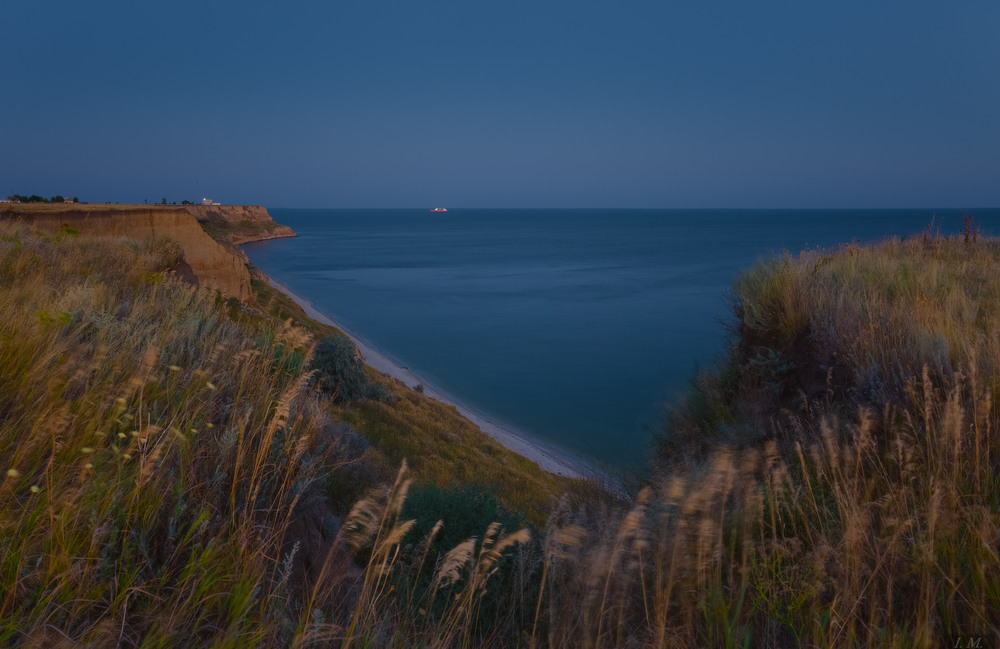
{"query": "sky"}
pixel 542 103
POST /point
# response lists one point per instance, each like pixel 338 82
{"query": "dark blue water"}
pixel 575 326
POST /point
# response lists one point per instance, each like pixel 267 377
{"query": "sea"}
pixel 576 327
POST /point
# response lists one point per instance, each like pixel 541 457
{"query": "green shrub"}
pixel 465 511
pixel 341 371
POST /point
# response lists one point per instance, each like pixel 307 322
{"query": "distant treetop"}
pixel 35 198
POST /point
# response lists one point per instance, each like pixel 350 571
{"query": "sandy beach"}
pixel 517 441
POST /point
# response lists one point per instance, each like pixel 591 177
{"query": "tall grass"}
pixel 171 475
pixel 156 452
pixel 168 473
pixel 850 327
pixel 826 519
pixel 859 385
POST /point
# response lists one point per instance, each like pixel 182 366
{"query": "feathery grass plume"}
pixel 295 337
pixel 630 529
pixel 456 622
pixel 428 541
pixel 561 543
pixel 450 568
pixel 492 550
pixel 371 515
pixel 283 407
pixel 376 520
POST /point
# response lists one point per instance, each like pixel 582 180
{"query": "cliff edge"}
pixel 211 262
pixel 232 225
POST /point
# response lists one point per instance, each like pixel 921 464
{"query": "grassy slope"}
pixel 832 484
pixel 859 387
pixel 171 477
pixel 144 500
pixel 441 446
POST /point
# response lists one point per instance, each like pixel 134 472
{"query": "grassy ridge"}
pixel 851 327
pixel 860 387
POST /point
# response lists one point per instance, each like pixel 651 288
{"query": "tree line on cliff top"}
pixel 35 198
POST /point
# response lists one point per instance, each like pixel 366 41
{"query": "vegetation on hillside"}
pixel 173 476
pixel 177 477
pixel 441 446
pixel 857 400
pixel 160 455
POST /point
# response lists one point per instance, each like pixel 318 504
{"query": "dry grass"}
pixel 834 330
pixel 167 466
pixel 857 536
pixel 860 385
pixel 167 459
pixel 157 452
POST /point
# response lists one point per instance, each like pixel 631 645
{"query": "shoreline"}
pixel 549 459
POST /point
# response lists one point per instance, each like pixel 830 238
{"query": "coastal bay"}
pixel 577 327
pixel 551 460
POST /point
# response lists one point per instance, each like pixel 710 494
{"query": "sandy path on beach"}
pixel 548 459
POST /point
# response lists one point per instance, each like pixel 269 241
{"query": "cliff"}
pixel 236 224
pixel 211 262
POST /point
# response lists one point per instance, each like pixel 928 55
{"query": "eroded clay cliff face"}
pixel 211 263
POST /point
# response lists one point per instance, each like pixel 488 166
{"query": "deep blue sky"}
pixel 622 103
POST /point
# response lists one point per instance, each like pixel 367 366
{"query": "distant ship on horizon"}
pixel 439 209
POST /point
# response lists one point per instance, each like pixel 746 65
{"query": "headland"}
pixel 207 234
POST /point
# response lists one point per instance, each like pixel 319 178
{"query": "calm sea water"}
pixel 574 326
